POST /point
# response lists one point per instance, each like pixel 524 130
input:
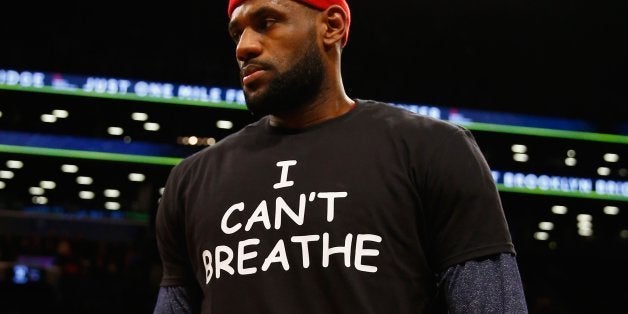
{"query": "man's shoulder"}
pixel 399 117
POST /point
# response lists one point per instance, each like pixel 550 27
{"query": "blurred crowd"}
pixel 70 274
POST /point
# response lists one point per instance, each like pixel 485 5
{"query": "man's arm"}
pixel 488 285
pixel 178 292
pixel 176 300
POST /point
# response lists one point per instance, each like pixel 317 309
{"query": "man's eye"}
pixel 268 22
pixel 235 36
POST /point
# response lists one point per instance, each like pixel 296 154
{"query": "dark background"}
pixel 553 57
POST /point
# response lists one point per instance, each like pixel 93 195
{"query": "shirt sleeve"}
pixel 176 300
pixel 170 233
pixel 462 204
pixel 489 285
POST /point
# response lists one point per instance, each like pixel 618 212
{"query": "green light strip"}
pixel 171 161
pixel 130 96
pixel 130 218
pixel 55 152
pixel 537 191
pixel 530 131
pixel 474 126
pixel 142 217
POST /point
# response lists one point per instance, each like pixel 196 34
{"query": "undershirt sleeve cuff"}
pixel 489 285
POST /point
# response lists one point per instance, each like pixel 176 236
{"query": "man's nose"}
pixel 249 45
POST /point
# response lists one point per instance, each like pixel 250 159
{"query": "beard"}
pixel 292 89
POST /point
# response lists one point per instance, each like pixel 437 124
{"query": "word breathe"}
pixel 224 254
pixel 221 259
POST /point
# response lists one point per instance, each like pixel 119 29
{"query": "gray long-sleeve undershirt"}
pixel 489 285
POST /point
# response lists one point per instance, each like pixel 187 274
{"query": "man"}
pixel 329 204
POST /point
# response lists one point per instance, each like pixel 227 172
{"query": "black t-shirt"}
pixel 353 215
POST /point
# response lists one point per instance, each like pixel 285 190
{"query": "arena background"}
pixel 541 84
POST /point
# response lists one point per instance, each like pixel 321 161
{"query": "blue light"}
pixel 20 273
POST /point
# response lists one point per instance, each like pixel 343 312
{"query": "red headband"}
pixel 317 4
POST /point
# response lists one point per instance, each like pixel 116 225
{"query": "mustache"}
pixel 252 66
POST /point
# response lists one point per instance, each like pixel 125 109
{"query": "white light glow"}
pixel 195 140
pixel 136 177
pixel 571 153
pixel 48 118
pixel 541 235
pixel 518 148
pixel 69 168
pixel 151 126
pixel 84 180
pixel 611 157
pixel 570 161
pixel 112 193
pixel 603 171
pixel 14 164
pixel 112 205
pixel 6 174
pixel 611 210
pixel 585 232
pixel 48 185
pixel 0 114
pixel 86 195
pixel 584 217
pixel 114 130
pixel 35 190
pixel 2 185
pixel 559 209
pixel 224 124
pixel 585 225
pixel 520 157
pixel 61 114
pixel 139 116
pixel 546 225
pixel 41 200
pixel 161 191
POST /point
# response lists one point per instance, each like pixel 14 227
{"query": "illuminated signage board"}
pixel 547 184
pixel 232 98
pixel 469 117
pixel 107 87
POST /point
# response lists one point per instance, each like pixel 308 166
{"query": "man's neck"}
pixel 319 110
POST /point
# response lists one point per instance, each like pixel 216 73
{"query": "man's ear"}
pixel 334 25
